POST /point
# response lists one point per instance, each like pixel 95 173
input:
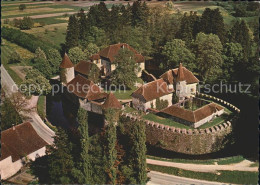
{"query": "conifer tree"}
pixel 83 26
pixel 110 152
pixel 138 152
pixel 60 161
pixel 84 163
pixel 72 37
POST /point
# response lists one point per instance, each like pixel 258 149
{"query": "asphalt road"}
pixel 158 178
pixel 40 127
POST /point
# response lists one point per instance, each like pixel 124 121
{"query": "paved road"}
pixel 242 166
pixel 40 127
pixel 158 178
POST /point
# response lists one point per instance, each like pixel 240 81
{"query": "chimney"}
pixel 13 126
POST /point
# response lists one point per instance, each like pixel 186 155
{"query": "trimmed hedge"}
pixel 25 40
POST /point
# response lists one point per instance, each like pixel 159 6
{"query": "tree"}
pixel 84 163
pixel 140 13
pixel 110 153
pixel 91 49
pixel 22 7
pixel 212 22
pixel 208 52
pixel 9 115
pixel 35 83
pixel 240 34
pixel 94 74
pixel 97 36
pixel 232 58
pixel 83 26
pixel 76 54
pixel 44 67
pixel 60 160
pixel 14 58
pixel 175 52
pixel 186 29
pixel 26 23
pixel 138 152
pixel 126 68
pixel 39 54
pixel 72 36
pixel 54 59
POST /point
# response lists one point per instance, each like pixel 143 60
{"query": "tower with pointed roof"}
pixel 66 70
pixel 180 83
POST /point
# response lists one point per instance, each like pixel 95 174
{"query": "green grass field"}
pixel 165 121
pixel 236 177
pixel 220 161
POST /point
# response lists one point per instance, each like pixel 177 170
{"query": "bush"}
pixel 161 104
pixel 25 40
pixel 22 7
pixel 6 21
pixel 42 23
pixel 26 23
pixel 15 58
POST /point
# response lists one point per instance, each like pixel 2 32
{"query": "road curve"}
pixel 40 127
pixel 158 178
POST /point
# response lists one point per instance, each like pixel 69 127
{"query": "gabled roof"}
pixel 19 141
pixel 84 67
pixel 111 102
pixel 66 62
pixel 192 116
pixel 173 75
pixel 152 90
pixel 111 51
pixel 84 88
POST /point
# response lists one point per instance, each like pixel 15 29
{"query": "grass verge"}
pixel 236 177
pixel 41 107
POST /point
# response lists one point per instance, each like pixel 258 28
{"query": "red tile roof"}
pixel 192 116
pixel 84 67
pixel 171 76
pixel 152 90
pixel 84 88
pixel 20 141
pixel 111 51
pixel 66 62
pixel 111 102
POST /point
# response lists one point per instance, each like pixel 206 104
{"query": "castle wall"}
pixel 190 141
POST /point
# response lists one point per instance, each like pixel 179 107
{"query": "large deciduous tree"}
pixel 208 52
pixel 76 54
pixel 175 52
pixel 126 68
pixel 35 83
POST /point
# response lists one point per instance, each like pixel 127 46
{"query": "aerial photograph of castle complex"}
pixel 129 92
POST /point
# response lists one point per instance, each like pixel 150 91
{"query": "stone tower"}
pixel 66 70
pixel 180 84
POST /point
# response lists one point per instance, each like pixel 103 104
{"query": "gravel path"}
pixel 242 166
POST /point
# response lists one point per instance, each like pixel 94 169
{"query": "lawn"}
pixel 54 34
pixel 52 20
pixel 220 161
pixel 5 55
pixel 218 120
pixel 123 94
pixel 165 121
pixel 41 107
pixel 235 177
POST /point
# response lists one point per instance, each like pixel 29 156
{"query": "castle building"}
pixel 105 58
pixel 182 80
pixel 145 97
pixel 81 91
pixel 66 70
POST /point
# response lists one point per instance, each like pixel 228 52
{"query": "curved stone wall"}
pixel 190 141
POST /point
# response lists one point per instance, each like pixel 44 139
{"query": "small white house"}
pixel 145 97
pixel 19 144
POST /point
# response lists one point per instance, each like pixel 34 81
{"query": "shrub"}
pixel 161 104
pixel 6 21
pixel 25 40
pixel 22 7
pixel 26 23
pixel 15 58
pixel 42 24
